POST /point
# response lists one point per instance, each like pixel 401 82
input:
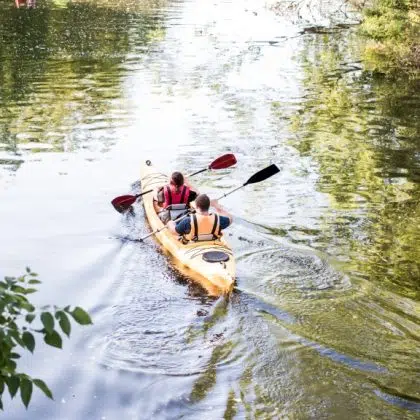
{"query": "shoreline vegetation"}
pixel 390 30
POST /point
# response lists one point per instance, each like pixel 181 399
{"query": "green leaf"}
pixel 27 306
pixel 6 342
pixel 29 341
pixel 14 356
pixel 16 336
pixel 43 387
pixel 34 281
pixel 13 383
pixel 30 317
pixel 53 339
pixel 10 365
pixel 28 270
pixel 13 325
pixel 48 321
pixel 26 391
pixel 64 322
pixel 30 290
pixel 1 404
pixel 81 316
pixel 18 289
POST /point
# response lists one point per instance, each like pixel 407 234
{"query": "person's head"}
pixel 177 180
pixel 203 202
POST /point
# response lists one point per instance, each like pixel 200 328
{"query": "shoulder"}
pixel 224 222
pixel 192 195
pixel 183 226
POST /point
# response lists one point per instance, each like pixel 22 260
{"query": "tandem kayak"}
pixel 209 263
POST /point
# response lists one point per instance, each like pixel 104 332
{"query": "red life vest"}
pixel 173 197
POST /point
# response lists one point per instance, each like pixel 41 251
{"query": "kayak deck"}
pixel 216 277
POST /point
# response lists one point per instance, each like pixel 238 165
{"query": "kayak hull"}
pixel 216 278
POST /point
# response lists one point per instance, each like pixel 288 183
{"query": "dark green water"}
pixel 325 321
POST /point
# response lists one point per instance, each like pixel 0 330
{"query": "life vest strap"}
pixel 216 221
pixel 195 223
pixel 184 189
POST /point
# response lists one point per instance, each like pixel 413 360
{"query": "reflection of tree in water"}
pixel 30 4
pixel 61 67
pixel 363 133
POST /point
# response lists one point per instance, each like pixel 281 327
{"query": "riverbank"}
pixel 393 33
pixel 389 31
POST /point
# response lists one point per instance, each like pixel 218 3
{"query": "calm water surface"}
pixel 325 320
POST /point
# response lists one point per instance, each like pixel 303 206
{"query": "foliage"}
pixel 17 319
pixel 361 132
pixel 393 28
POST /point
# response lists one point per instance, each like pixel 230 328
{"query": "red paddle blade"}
pixel 123 202
pixel 223 162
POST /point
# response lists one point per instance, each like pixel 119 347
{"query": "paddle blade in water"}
pixel 223 162
pixel 263 174
pixel 123 202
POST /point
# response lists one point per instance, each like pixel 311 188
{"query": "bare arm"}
pixel 171 227
pixel 187 183
pixel 220 210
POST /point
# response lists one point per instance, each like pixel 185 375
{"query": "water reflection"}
pixel 362 134
pixel 61 74
pixel 30 4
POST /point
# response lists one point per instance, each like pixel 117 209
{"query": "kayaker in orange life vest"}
pixel 202 225
pixel 173 199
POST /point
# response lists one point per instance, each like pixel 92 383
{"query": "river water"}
pixel 325 319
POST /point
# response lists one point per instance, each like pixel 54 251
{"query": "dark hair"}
pixel 203 202
pixel 177 179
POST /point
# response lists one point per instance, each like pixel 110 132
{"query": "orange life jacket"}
pixel 204 227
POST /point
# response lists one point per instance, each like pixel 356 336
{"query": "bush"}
pixel 17 317
pixel 394 26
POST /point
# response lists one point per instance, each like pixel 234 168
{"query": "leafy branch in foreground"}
pixel 17 319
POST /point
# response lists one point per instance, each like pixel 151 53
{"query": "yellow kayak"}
pixel 209 263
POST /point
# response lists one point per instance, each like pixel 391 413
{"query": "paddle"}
pixel 123 202
pixel 259 176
